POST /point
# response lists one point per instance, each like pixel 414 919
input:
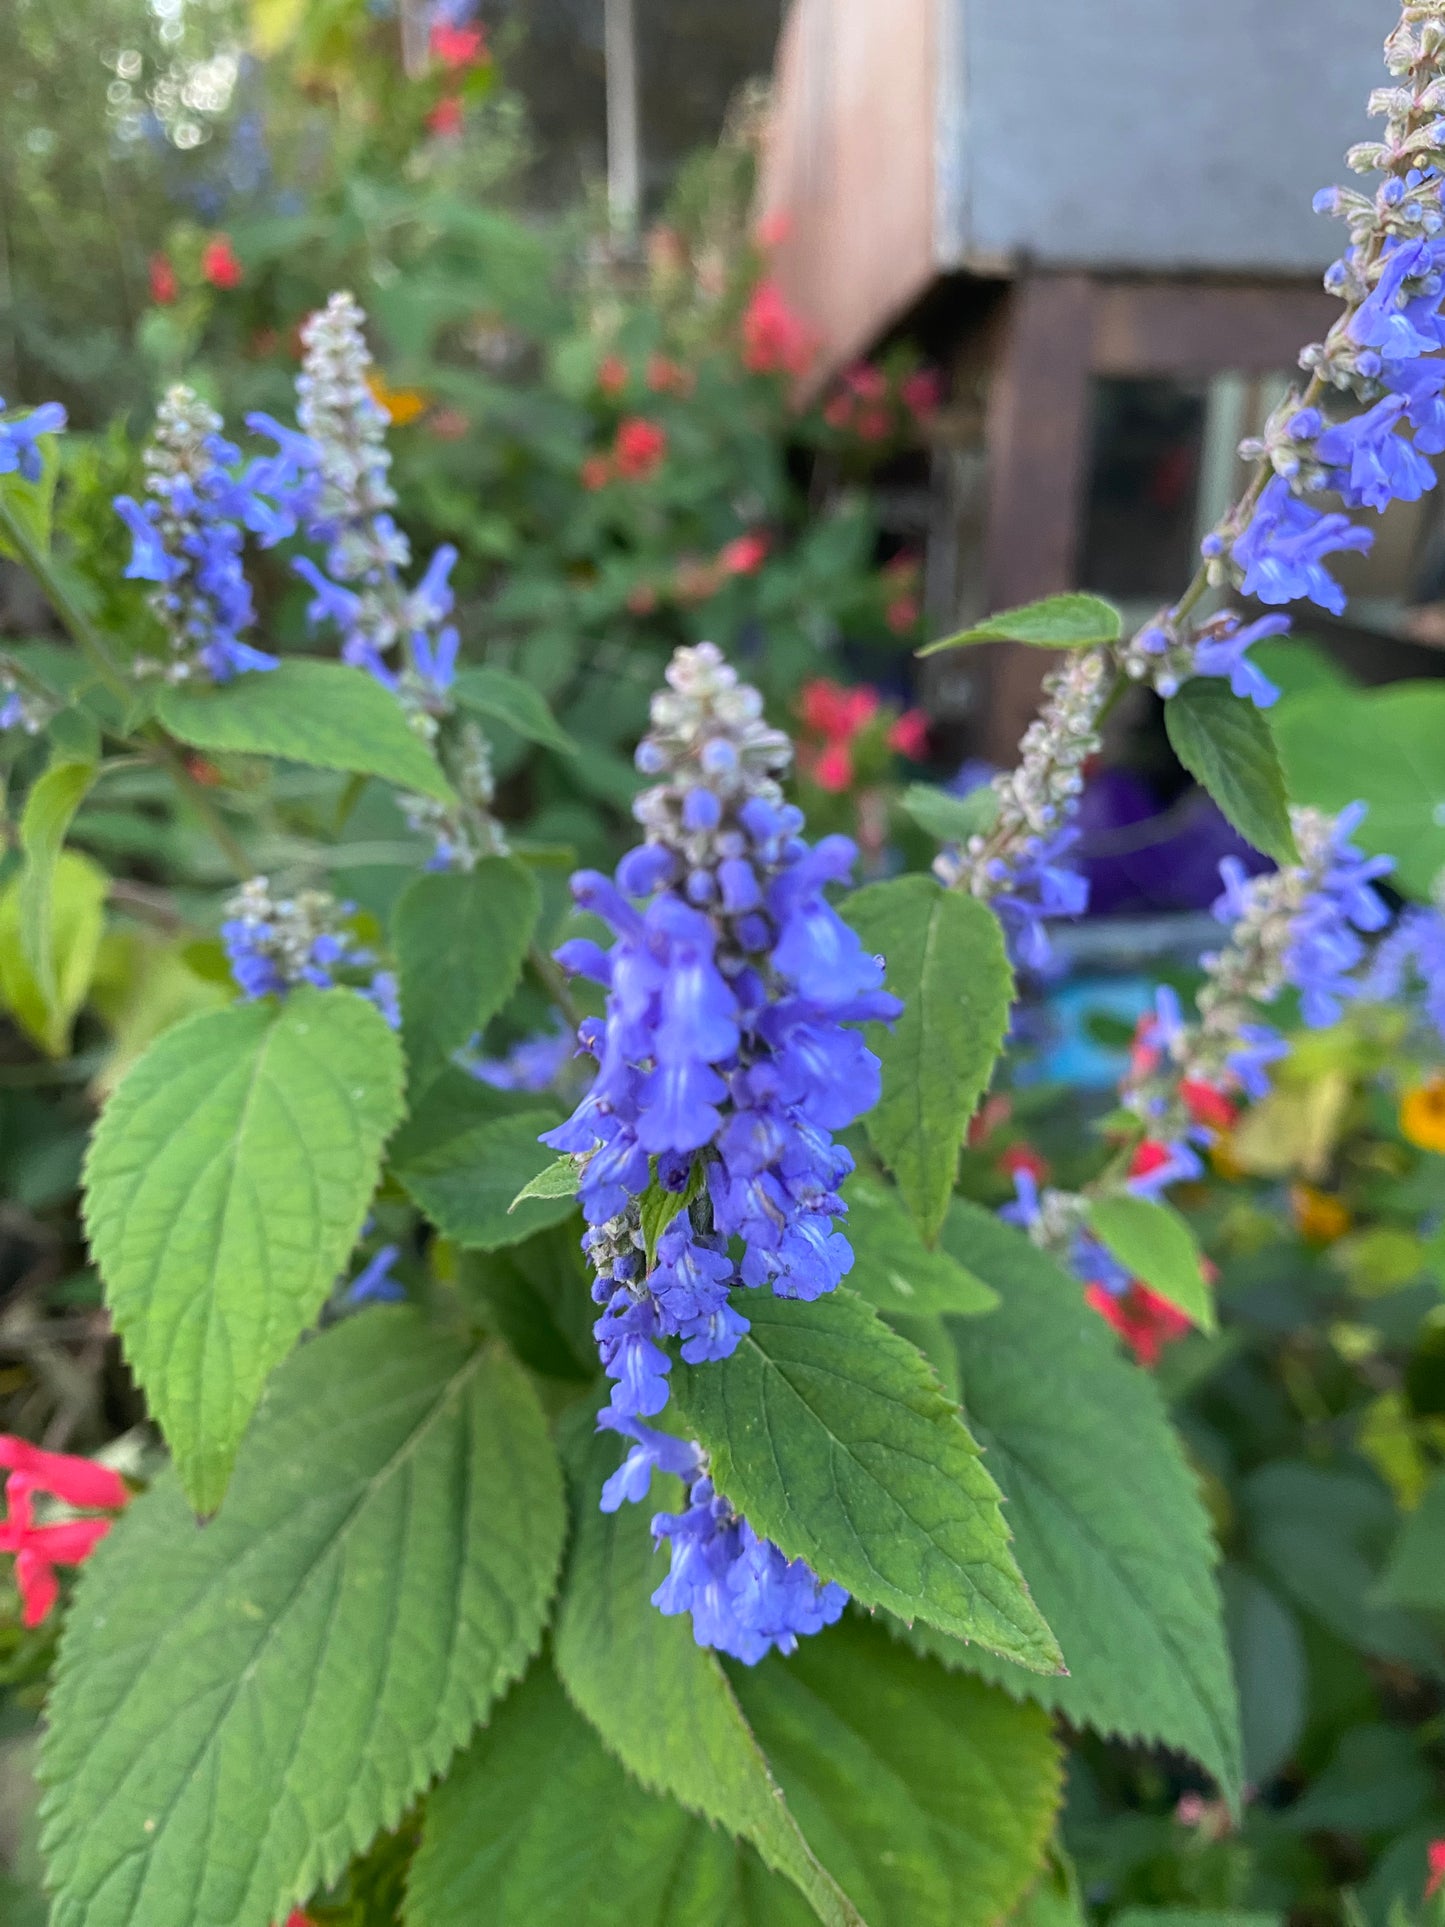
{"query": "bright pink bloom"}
pixel 774 229
pixel 831 709
pixel 909 735
pixel 776 340
pixel 219 264
pixel 833 771
pixel 446 117
pixel 745 554
pixel 612 374
pixel 1435 1853
pixel 922 392
pixel 1148 1157
pixel 164 285
pixel 39 1550
pixel 459 46
pixel 639 448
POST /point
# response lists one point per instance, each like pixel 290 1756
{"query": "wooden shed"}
pixel 1074 193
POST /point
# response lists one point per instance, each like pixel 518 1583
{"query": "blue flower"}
pixel 1371 465
pixel 1414 948
pixel 374 1283
pixel 1033 886
pixel 19 439
pixel 1222 653
pixel 536 1064
pixel 1282 552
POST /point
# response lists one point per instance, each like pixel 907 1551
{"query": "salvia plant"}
pixel 610 1472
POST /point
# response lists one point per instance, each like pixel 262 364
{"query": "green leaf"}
pixel 1058 622
pixel 488 691
pixel 931 1797
pixel 952 819
pixel 1108 1523
pixel 658 1207
pixel 225 1188
pixel 237 1710
pixel 1415 1575
pixel 1227 745
pixel 30 504
pixel 538 1296
pixel 322 713
pixel 538 1826
pixel 78 889
pixel 49 811
pixel 470 1185
pixel 945 958
pixel 559 1180
pixel 830 1434
pixel 661 1702
pixel 1271 1669
pixel 1155 1245
pixel 892 1267
pixel 460 939
pixel 1382 747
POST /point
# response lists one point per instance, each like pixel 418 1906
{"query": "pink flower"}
pixel 219 265
pixel 39 1550
pixel 909 735
pixel 445 119
pixel 901 615
pixel 1435 1854
pixel 838 412
pixel 922 392
pixel 745 554
pixel 639 448
pixel 776 340
pixel 866 382
pixel 875 424
pixel 458 47
pixel 835 711
pixel 164 285
pixel 833 771
pixel 668 377
pixel 774 228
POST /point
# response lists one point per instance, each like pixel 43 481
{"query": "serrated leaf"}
pixel 237 1710
pixel 1108 1523
pixel 78 889
pixel 469 1185
pixel 660 1702
pixel 538 1296
pixel 1057 622
pixel 225 1188
pixel 307 711
pixel 488 691
pixel 930 1796
pixel 1227 745
pixel 538 1826
pixel 892 1267
pixel 830 1434
pixel 1384 748
pixel 559 1180
pixel 460 939
pixel 952 819
pixel 658 1206
pixel 945 958
pixel 1156 1246
pixel 49 811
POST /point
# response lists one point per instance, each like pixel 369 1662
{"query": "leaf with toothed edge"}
pixel 238 1709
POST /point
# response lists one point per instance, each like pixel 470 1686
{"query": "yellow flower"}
pixel 1319 1218
pixel 1422 1116
pixel 403 405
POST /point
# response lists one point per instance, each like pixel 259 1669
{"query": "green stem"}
pixel 555 984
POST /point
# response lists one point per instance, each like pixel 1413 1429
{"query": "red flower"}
pixel 639 448
pixel 445 119
pixel 867 383
pixel 1145 1321
pixel 833 770
pixel 1023 1157
pixel 776 340
pixel 746 554
pixel 909 735
pixel 39 1550
pixel 1207 1105
pixel 875 424
pixel 667 377
pixel 901 615
pixel 164 285
pixel 459 46
pixel 612 374
pixel 219 265
pixel 835 711
pixel 596 472
pixel 1148 1157
pixel 922 392
pixel 1435 1853
pixel 838 413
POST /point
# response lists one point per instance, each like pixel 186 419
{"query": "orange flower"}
pixel 1319 1217
pixel 402 405
pixel 1422 1116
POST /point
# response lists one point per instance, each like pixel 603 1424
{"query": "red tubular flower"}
pixel 1206 1105
pixel 909 735
pixel 835 711
pixel 445 119
pixel 458 47
pixel 833 771
pixel 1435 1854
pixel 745 555
pixel 39 1550
pixel 775 339
pixel 639 448
pixel 164 285
pixel 219 265
pixel 1145 1321
pixel 1148 1157
pixel 1023 1157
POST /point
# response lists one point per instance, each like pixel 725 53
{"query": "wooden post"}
pixel 624 136
pixel 1038 442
